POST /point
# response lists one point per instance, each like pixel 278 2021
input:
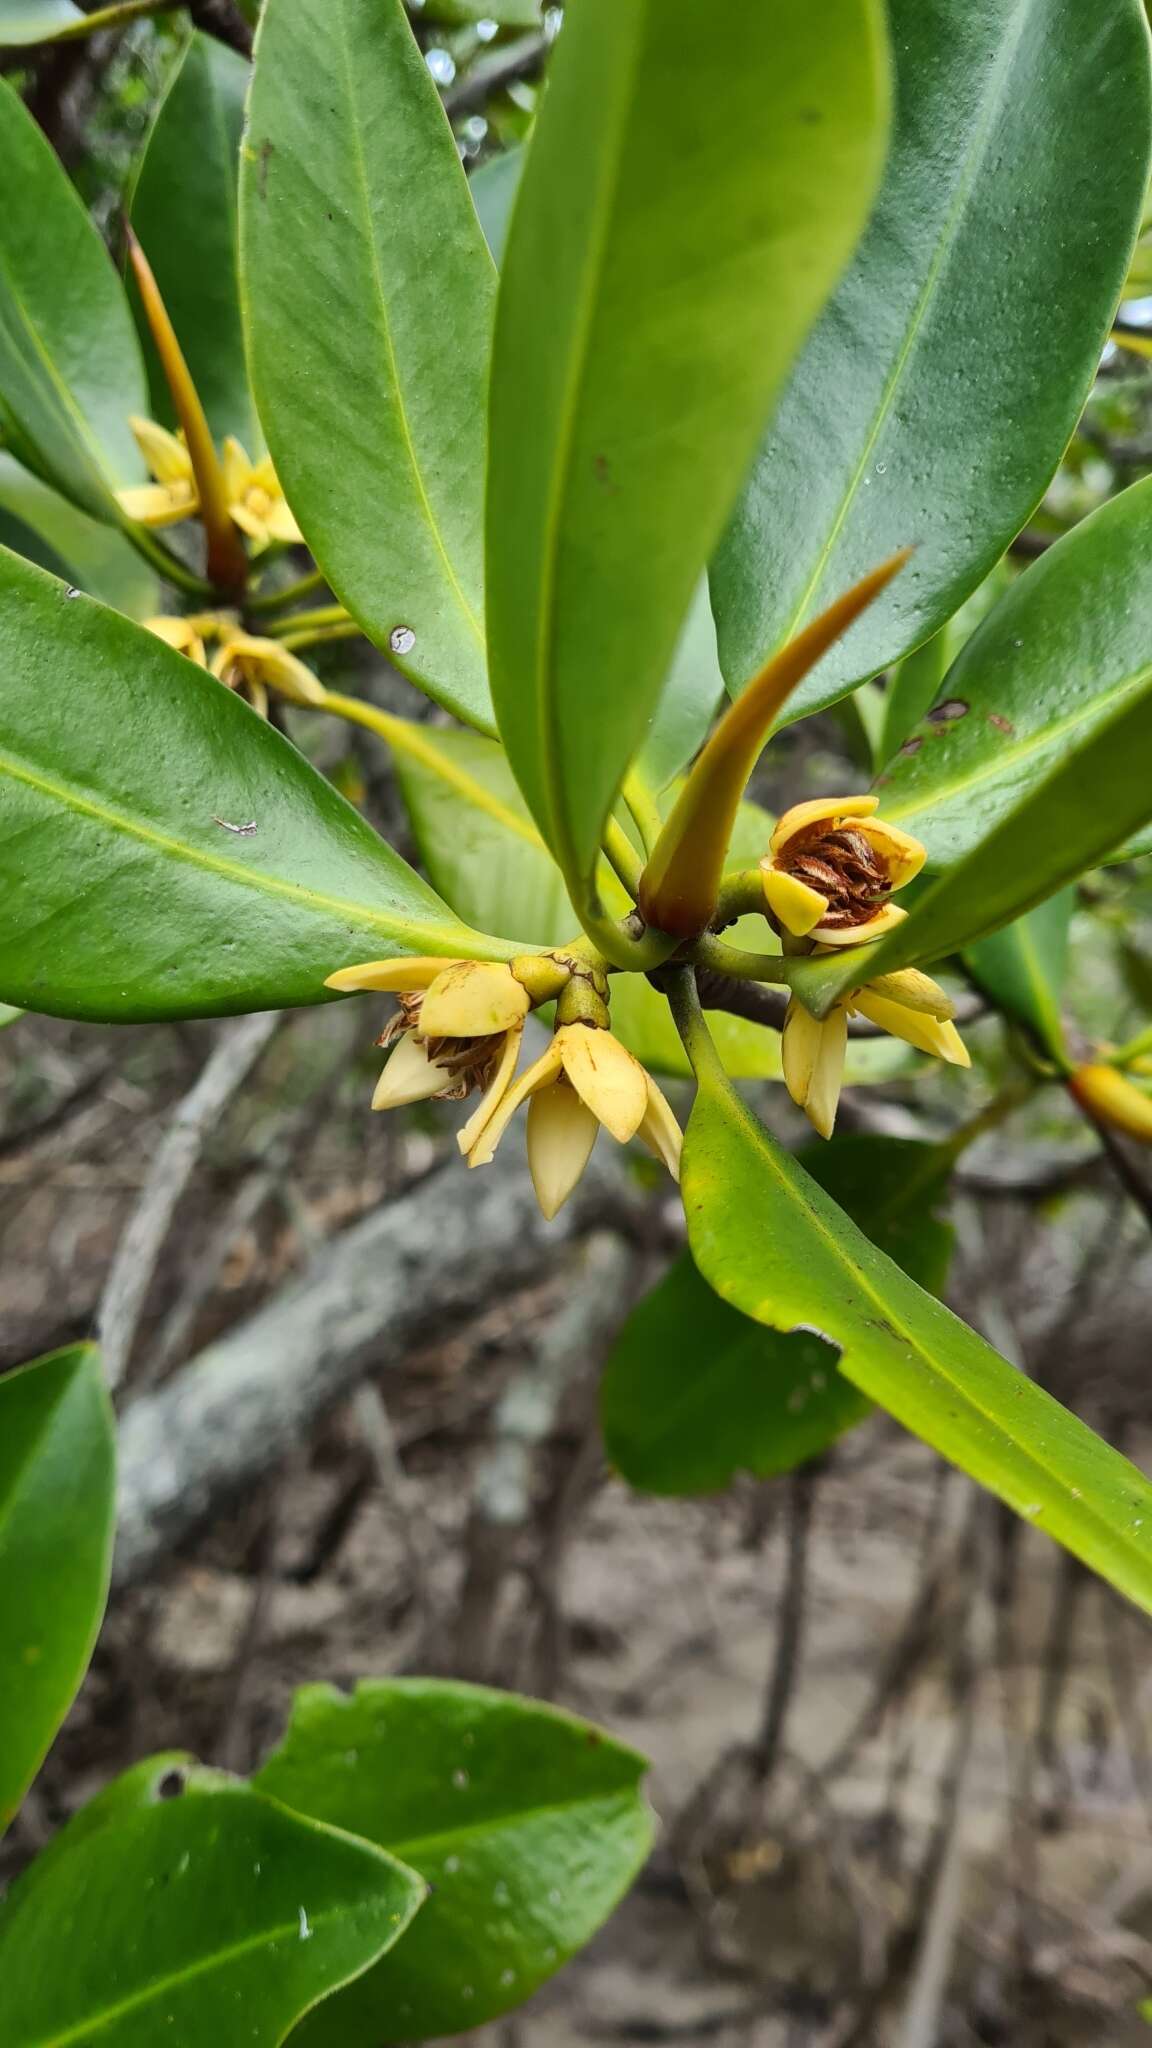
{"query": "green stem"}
pixel 741 891
pixel 688 1017
pixel 1134 1050
pixel 165 563
pixel 628 951
pixel 622 856
pixel 733 960
pixel 116 16
pixel 642 807
pixel 275 600
pixel 324 615
pixel 320 637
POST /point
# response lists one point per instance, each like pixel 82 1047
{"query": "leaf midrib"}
pixel 391 925
pixel 1107 1530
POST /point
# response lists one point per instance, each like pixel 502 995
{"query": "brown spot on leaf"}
pixel 1004 725
pixel 952 708
pixel 912 746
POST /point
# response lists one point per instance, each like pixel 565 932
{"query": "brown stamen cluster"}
pixel 846 869
pixel 468 1063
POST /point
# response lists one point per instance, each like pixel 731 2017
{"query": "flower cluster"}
pixel 828 877
pixel 459 1028
pixel 256 503
pixel 242 661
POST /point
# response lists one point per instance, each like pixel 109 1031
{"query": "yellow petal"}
pixel 156 504
pixel 820 810
pixel 410 1076
pixel 166 454
pixel 473 999
pixel 495 1092
pixel 812 1053
pixel 237 469
pixel 901 855
pixel 181 635
pixel 929 1034
pixel 561 1134
pixel 660 1130
pixel 403 976
pixel 916 991
pixel 606 1077
pixel 861 934
pixel 538 1075
pixel 282 524
pixel 797 907
pixel 264 478
pixel 257 696
pixel 1107 1095
pixel 247 521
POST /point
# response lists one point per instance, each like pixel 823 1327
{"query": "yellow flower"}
pixel 256 501
pixel 254 666
pixel 1112 1099
pixel 909 1004
pixel 831 868
pixel 184 635
pixel 173 495
pixel 586 1078
pixel 458 1027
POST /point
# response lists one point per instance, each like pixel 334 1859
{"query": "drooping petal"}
pixel 916 991
pixel 166 454
pixel 473 999
pixel 282 524
pixel 237 469
pixel 820 810
pixel 402 976
pixel 409 1076
pixel 181 635
pixel 157 504
pixel 928 1033
pixel 812 1053
pixel 538 1075
pixel 561 1134
pixel 494 1094
pixel 265 661
pixel 605 1076
pixel 660 1130
pixel 797 907
pixel 900 854
pixel 886 917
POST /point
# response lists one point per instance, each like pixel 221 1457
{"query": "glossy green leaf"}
pixel 916 414
pixel 494 187
pixel 528 1824
pixel 57 1510
pixel 165 853
pixel 914 684
pixel 695 1392
pixel 1022 968
pixel 509 13
pixel 184 210
pixel 1067 646
pixel 775 1246
pixel 212 1916
pixel 35 21
pixel 58 536
pixel 70 367
pixel 692 692
pixel 656 285
pixel 368 292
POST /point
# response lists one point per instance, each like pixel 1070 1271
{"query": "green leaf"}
pixel 57 1509
pixel 1000 241
pixel 184 210
pixel 494 187
pixel 771 1243
pixel 8 1015
pixel 683 271
pixel 35 21
pixel 208 1917
pixel 70 368
pixel 58 536
pixel 695 1392
pixel 509 13
pixel 915 681
pixel 1022 968
pixel 166 854
pixel 688 701
pixel 368 295
pixel 528 1824
pixel 1065 649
